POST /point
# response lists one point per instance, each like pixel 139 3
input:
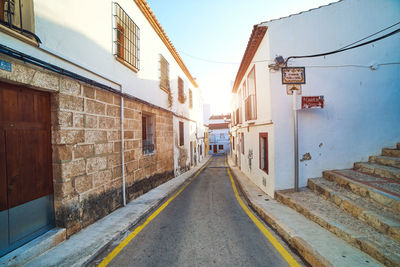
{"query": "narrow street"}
pixel 204 225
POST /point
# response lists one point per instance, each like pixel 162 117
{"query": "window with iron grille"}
pixel 18 15
pixel 147 134
pixel 181 93
pixel 127 39
pixel 164 74
pixel 264 152
pixel 220 147
pixel 242 143
pixel 190 99
pixel 250 97
pixel 181 134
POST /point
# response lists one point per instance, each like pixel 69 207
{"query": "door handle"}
pixel 11 183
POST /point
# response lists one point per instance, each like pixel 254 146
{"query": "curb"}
pixel 79 257
pixel 304 249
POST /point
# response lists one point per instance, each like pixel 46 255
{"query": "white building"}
pixel 114 110
pixel 361 89
pixel 218 128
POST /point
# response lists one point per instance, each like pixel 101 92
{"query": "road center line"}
pixel 138 229
pixel 285 254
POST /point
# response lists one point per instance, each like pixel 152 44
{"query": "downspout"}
pixel 122 151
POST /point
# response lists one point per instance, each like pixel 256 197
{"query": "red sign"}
pixel 312 102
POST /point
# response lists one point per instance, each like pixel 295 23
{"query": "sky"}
pixel 211 37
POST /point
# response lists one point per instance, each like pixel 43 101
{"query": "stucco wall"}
pixel 362 111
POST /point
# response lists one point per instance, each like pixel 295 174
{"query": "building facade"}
pixel 90 117
pixel 218 129
pixel 360 114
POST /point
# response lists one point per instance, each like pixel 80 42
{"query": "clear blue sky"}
pixel 218 30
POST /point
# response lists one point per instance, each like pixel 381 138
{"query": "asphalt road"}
pixel 203 226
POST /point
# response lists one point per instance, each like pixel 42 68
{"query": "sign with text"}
pixel 312 102
pixel 291 87
pixel 293 75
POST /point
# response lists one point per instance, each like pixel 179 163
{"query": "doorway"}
pixel 26 183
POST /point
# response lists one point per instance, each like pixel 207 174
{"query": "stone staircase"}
pixel 359 205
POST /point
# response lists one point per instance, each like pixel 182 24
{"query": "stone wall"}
pixel 87 153
pixel 86 138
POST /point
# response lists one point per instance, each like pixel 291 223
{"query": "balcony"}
pixel 250 106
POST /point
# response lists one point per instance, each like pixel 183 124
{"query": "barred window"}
pixel 147 134
pixel 164 73
pixel 190 99
pixel 181 134
pixel 127 39
pixel 18 15
pixel 181 93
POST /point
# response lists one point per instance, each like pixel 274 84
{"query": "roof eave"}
pixel 255 39
pixel 146 10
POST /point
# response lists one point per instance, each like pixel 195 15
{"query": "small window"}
pixel 181 134
pixel 264 152
pixel 147 134
pixel 221 147
pixel 126 39
pixel 210 147
pixel 164 74
pixel 242 142
pixel 190 99
pixel 181 93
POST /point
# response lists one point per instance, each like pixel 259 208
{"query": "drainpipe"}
pixel 122 151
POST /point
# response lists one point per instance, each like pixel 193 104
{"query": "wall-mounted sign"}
pixel 312 102
pixel 5 65
pixel 291 87
pixel 293 75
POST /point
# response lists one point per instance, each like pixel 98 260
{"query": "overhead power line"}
pixel 347 48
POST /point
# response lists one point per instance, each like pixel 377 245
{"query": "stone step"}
pixel 391 152
pixel 355 232
pixel 384 192
pixel 384 160
pixel 384 220
pixel 378 170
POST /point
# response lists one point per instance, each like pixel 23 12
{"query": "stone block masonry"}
pixel 86 142
pixel 87 153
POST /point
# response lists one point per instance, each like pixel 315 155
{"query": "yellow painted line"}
pixel 138 229
pixel 285 254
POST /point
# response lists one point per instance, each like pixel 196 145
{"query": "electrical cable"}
pixel 370 35
pixel 345 49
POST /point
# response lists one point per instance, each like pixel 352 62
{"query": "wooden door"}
pixel 25 145
pixel 215 149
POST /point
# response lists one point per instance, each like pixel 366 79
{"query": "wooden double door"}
pixel 26 187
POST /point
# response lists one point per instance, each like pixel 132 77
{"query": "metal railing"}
pixel 148 146
pixel 250 108
pixel 9 14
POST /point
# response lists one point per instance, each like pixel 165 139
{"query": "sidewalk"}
pixel 84 246
pixel 316 245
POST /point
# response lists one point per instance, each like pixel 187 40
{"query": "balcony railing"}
pixel 250 108
pixel 148 146
pixel 18 17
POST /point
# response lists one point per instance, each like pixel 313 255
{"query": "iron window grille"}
pixel 147 134
pixel 18 15
pixel 181 93
pixel 126 38
pixel 190 99
pixel 181 134
pixel 164 74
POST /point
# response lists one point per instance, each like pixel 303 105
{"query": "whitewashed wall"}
pixel 362 112
pixel 82 32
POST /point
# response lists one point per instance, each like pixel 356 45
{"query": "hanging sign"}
pixel 291 87
pixel 293 75
pixel 308 102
